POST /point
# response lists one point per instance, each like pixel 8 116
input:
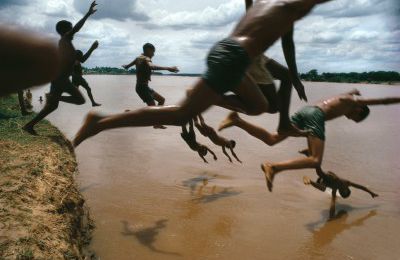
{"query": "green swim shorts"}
pixel 227 64
pixel 311 118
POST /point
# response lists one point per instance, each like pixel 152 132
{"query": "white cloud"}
pixel 344 35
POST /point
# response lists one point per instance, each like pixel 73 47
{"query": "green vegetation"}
pixel 111 71
pixel 42 213
pixel 353 77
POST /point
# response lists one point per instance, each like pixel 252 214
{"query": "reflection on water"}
pixel 147 236
pixel 323 236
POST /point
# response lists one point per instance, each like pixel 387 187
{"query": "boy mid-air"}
pixel 77 79
pixel 332 181
pixel 144 67
pixel 227 63
pixel 62 83
pixel 262 71
pixel 209 132
pixel 311 119
pixel 190 138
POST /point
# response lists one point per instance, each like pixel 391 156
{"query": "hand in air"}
pixel 92 8
pixel 173 69
pixel 300 89
pixel 95 44
pixel 374 195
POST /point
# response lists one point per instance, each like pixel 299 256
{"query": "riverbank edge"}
pixel 42 213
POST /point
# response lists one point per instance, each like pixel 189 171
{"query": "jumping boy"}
pixel 77 79
pixel 228 61
pixel 262 71
pixel 311 119
pixel 190 138
pixel 62 83
pixel 332 181
pixel 209 132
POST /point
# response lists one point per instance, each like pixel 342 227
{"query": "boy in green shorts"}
pixel 311 119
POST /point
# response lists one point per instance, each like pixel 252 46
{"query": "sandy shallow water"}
pixel 153 198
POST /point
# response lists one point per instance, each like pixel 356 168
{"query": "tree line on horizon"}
pixel 352 77
pixel 312 75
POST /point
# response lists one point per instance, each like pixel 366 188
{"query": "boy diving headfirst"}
pixel 332 181
pixel 77 79
pixel 312 119
pixel 209 132
pixel 227 63
pixel 190 138
pixel 62 83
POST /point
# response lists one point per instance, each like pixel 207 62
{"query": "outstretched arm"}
pixel 234 155
pixel 290 56
pixel 211 152
pixel 226 154
pixel 80 24
pixel 202 157
pixel 89 52
pixel 156 67
pixel 378 101
pixel 360 187
pixel 308 181
pixel 130 64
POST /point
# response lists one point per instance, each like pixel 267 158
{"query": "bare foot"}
pixel 29 130
pixel 229 121
pixel 96 105
pixel 306 180
pixel 291 130
pixel 88 128
pixel 159 127
pixel 269 174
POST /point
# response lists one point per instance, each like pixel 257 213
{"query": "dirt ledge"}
pixel 42 213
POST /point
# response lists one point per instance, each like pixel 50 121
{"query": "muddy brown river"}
pixel 153 198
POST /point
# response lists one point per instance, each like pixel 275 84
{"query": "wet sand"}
pixel 153 198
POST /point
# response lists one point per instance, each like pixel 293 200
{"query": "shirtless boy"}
pixel 262 71
pixel 190 138
pixel 228 61
pixel 311 119
pixel 77 79
pixel 144 67
pixel 209 132
pixel 332 181
pixel 62 83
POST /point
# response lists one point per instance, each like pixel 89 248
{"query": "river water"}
pixel 153 198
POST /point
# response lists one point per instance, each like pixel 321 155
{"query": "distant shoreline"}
pixel 389 83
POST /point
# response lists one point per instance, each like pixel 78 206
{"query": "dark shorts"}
pixel 311 118
pixel 60 86
pixel 79 81
pixel 145 92
pixel 227 63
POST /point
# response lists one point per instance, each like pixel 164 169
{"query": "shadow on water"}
pixel 147 236
pixel 204 195
pixel 327 229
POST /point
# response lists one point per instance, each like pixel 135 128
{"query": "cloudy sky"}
pixel 341 36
